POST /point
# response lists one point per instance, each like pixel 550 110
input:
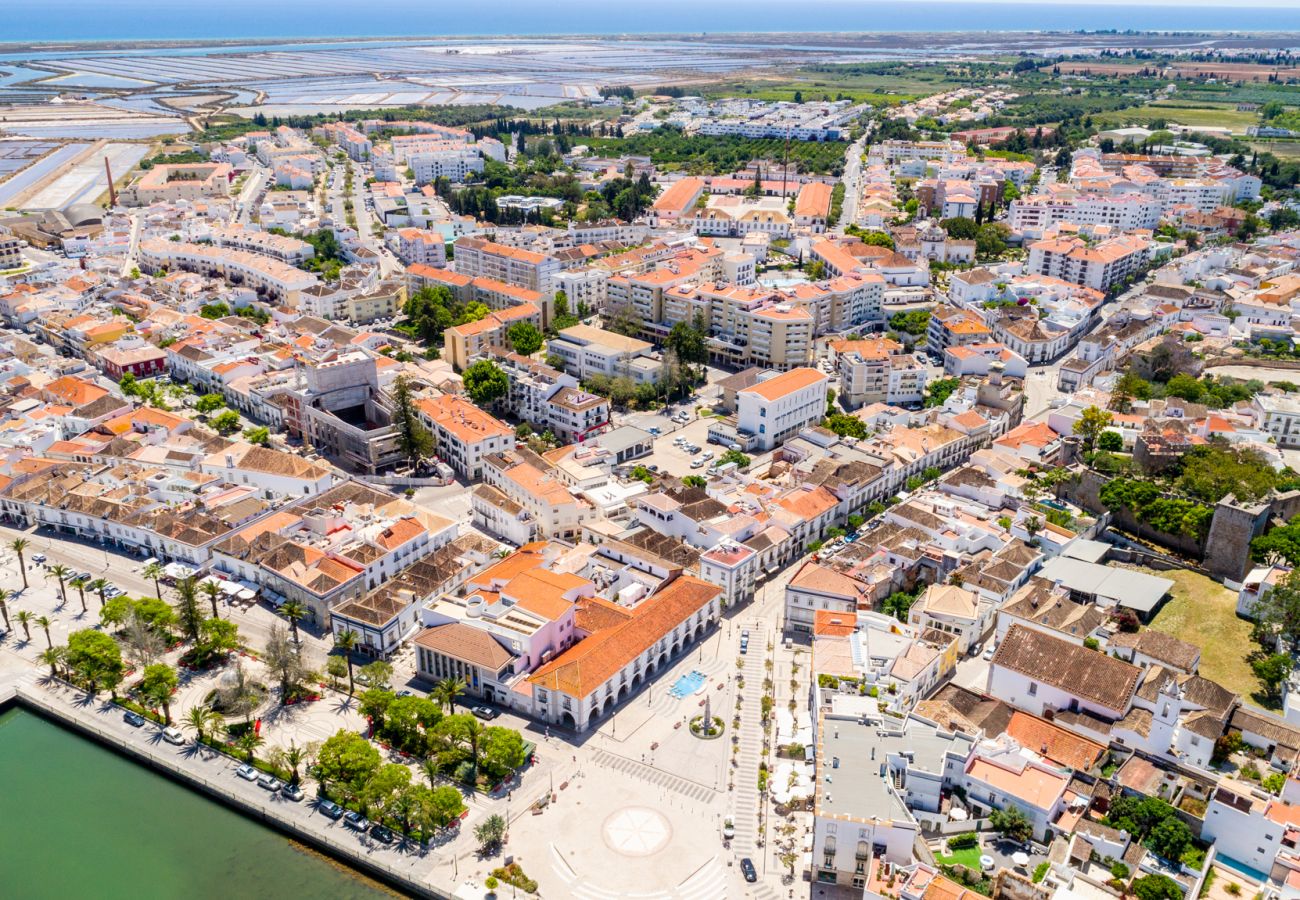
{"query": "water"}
pixel 94 20
pixel 687 684
pixel 81 821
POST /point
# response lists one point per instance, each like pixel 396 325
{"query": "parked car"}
pixel 747 869
pixel 734 446
pixel 990 650
pixel 38 558
pixel 707 455
pixel 269 782
pixel 331 810
pixel 697 463
pixel 247 772
pixel 382 834
pixel 405 693
pixel 292 792
pixel 485 712
pixel 728 830
pixel 134 719
pixel 356 821
pixel 172 735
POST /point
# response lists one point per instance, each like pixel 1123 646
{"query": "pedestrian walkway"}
pixel 746 797
pixel 658 777
pixel 709 882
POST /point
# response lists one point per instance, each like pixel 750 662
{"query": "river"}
pixel 80 821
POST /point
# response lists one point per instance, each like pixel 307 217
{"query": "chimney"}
pixel 112 191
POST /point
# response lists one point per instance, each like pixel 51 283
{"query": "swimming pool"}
pixel 688 684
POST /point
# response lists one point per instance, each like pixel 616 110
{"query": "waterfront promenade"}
pixel 409 867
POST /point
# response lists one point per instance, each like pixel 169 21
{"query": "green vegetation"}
pixel 899 603
pixel 1040 871
pixel 524 338
pixel 415 440
pixel 938 391
pixel 1012 823
pixel 1173 515
pixel 671 150
pixel 432 309
pixel 734 456
pixel 1204 613
pixel 968 857
pixel 845 425
pixel 913 322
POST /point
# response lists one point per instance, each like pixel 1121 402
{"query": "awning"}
pixel 178 570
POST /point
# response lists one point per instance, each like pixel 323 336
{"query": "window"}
pixel 1033 688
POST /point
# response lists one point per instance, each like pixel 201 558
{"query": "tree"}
pixel 490 833
pixel 1090 424
pixel 1278 611
pixel 157 685
pixel 18 545
pixel 407 720
pixel 80 585
pixel 154 572
pixel 878 239
pixel 5 597
pixel 960 228
pixel 225 423
pixel 44 623
pixel 53 657
pixel 689 342
pixel 734 456
pixel 209 403
pixel 283 661
pixel 293 611
pixel 248 741
pixel 336 669
pixel 100 586
pixel 383 787
pixel 1156 887
pixel 502 751
pixel 524 338
pixel 217 637
pixel 96 659
pixel 938 391
pixel 1012 823
pixel 345 641
pixel 1272 671
pixel 485 382
pixel 188 613
pixel 61 572
pixel 25 620
pixel 415 441
pixel 1280 544
pixel 991 239
pixel 378 674
pixel 446 691
pixel 213 591
pixel 260 435
pixel 846 425
pixel 374 706
pixel 1110 441
pixel 293 757
pixel 1170 839
pixel 347 760
pixel 202 719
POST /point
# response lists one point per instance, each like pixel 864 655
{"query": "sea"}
pixel 122 20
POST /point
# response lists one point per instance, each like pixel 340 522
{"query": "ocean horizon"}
pixel 52 21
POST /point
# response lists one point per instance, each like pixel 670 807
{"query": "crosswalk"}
pixel 684 786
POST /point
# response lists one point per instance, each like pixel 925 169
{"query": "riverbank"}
pixel 212 774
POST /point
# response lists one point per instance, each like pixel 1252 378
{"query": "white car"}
pixel 172 735
pixel 697 464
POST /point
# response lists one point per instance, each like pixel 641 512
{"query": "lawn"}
pixel 1280 149
pixel 1204 612
pixel 970 858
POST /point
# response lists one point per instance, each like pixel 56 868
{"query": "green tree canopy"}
pixel 347 760
pixel 485 381
pixel 524 338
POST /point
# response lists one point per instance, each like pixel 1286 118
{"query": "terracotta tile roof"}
pixel 1054 742
pixel 467 643
pixel 786 383
pixel 591 662
pixel 1089 674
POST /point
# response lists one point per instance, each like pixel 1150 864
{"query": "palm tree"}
pixel 5 596
pixel 213 591
pixel 249 741
pixel 99 586
pixel 293 758
pixel 44 622
pixel 446 691
pixel 154 571
pixel 293 611
pixel 200 718
pixel 187 608
pixel 345 641
pixel 429 766
pixel 61 572
pixel 53 657
pixel 18 546
pixel 25 619
pixel 80 585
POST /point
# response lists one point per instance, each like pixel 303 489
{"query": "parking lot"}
pixel 674 459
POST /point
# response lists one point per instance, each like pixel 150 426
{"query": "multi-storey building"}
pixel 488 259
pixel 778 407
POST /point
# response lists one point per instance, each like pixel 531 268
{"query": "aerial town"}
pixel 885 489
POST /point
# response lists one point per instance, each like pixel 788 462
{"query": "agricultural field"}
pixel 1280 149
pixel 1195 115
pixel 878 84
